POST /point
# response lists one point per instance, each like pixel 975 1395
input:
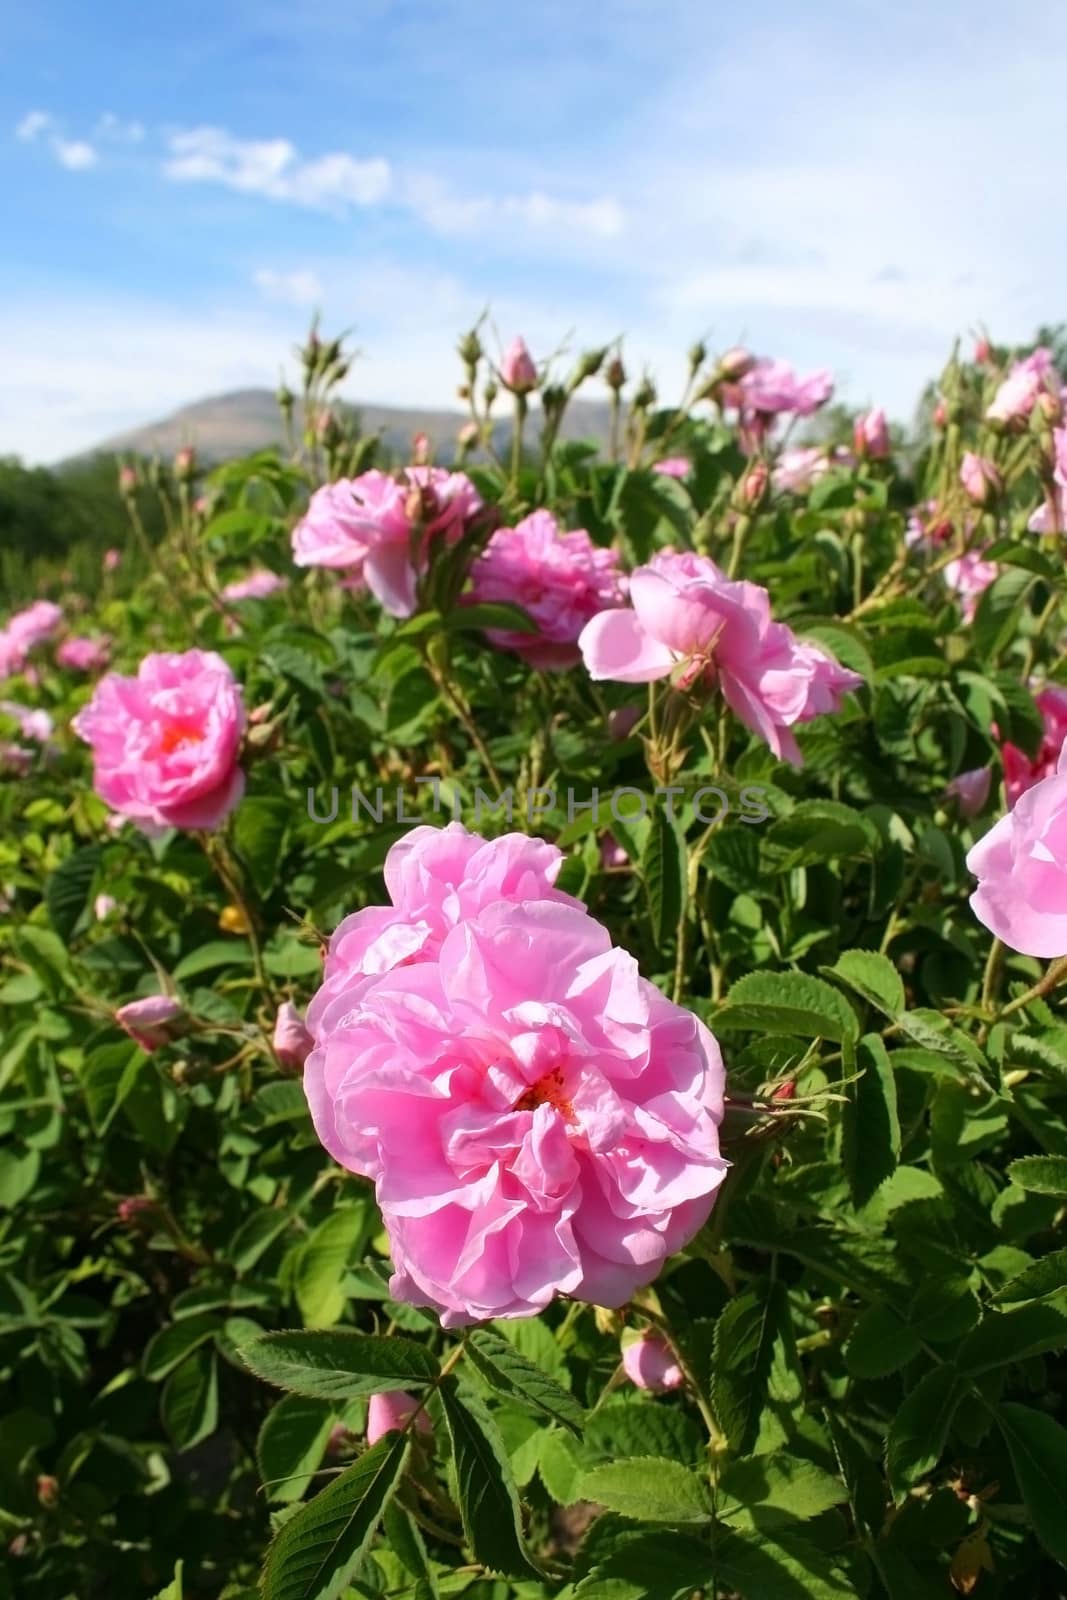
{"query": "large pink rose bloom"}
pixel 1020 773
pixel 166 743
pixel 1027 379
pixel 559 579
pixel 970 576
pixel 773 387
pixel 537 1119
pixel 1021 867
pixel 367 525
pixel 690 621
pixel 436 878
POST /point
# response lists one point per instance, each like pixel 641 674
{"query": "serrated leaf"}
pixel 322 1258
pixel 663 872
pixel 260 824
pixel 291 1444
pixel 508 1372
pixel 190 1404
pixel 1037 1445
pixel 649 1489
pixel 789 1002
pixel 67 890
pixel 488 1499
pixel 213 955
pixel 874 977
pixel 745 1337
pixel 335 1364
pixel 870 1146
pixel 406 1542
pixel 561 1466
pixel 778 1483
pixel 880 1343
pixel 1040 1174
pixel 919 1431
pixel 319 1550
pixel 1034 1282
pixel 778 1566
pixel 169 1347
pixel 1006 1336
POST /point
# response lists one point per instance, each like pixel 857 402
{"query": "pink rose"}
pixel 380 528
pixel 517 370
pixel 1027 379
pixel 1020 772
pixel 798 469
pixel 969 576
pixel 983 351
pixel 612 854
pixel 166 743
pixel 291 1040
pixel 771 388
pixel 436 878
pixel 31 724
pixel 103 906
pixel 1021 867
pixel 970 790
pixel 149 1021
pixel 256 586
pixel 559 579
pixel 735 363
pixel 650 1363
pixel 387 1413
pixel 24 631
pixel 691 622
pixel 871 435
pixel 537 1118
pixel 673 466
pixel 112 559
pixel 82 654
pixel 979 477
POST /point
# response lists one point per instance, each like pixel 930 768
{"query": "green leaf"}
pixel 561 1466
pixel 491 614
pixel 318 1279
pixel 255 1236
pixel 335 1364
pixel 745 1337
pixel 259 825
pixel 173 1590
pixel 880 1343
pixel 635 1428
pixel 919 1431
pixel 778 1566
pixel 789 1002
pixel 873 977
pixel 319 1550
pixel 649 1489
pixel 1006 1336
pixel 406 1542
pixel 18 1177
pixel 1040 1174
pixel 68 889
pixel 1037 1445
pixel 870 1127
pixel 663 871
pixel 508 1372
pixel 190 1404
pixel 108 1077
pixel 485 1485
pixel 1034 1282
pixel 778 1483
pixel 216 953
pixel 291 1444
pixel 169 1347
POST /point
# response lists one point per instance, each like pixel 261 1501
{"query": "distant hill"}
pixel 226 425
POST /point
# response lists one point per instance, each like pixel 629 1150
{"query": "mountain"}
pixel 226 425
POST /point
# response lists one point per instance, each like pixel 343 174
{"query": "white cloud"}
pixel 33 123
pixel 109 126
pixel 300 288
pixel 74 154
pixel 273 168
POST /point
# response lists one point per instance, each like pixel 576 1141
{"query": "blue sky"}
pixel 843 184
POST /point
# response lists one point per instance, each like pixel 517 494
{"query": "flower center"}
pixel 177 733
pixel 547 1091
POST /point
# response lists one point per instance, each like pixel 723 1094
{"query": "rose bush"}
pixel 533 1057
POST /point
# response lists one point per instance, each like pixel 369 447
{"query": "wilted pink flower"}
pixel 771 388
pixel 870 434
pixel 82 654
pixel 796 470
pixel 979 477
pixel 387 1413
pixel 31 724
pixel 970 790
pixel 673 466
pixel 691 622
pixel 517 370
pixel 149 1021
pixel 369 526
pixel 1027 379
pixel 536 1117
pixel 166 743
pixel 650 1363
pixel 1020 772
pixel 256 585
pixel 291 1041
pixel 112 559
pixel 15 761
pixel 970 575
pixel 103 906
pixel 559 579
pixel 1021 867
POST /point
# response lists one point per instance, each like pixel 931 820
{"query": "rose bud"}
pixel 983 352
pixel 979 477
pixel 649 1362
pixel 127 480
pixel 970 790
pixel 517 370
pixel 47 1491
pixel 150 1020
pixel 736 364
pixel 871 435
pixel 291 1040
pixel 134 1206
pixel 387 1413
pixel 185 462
